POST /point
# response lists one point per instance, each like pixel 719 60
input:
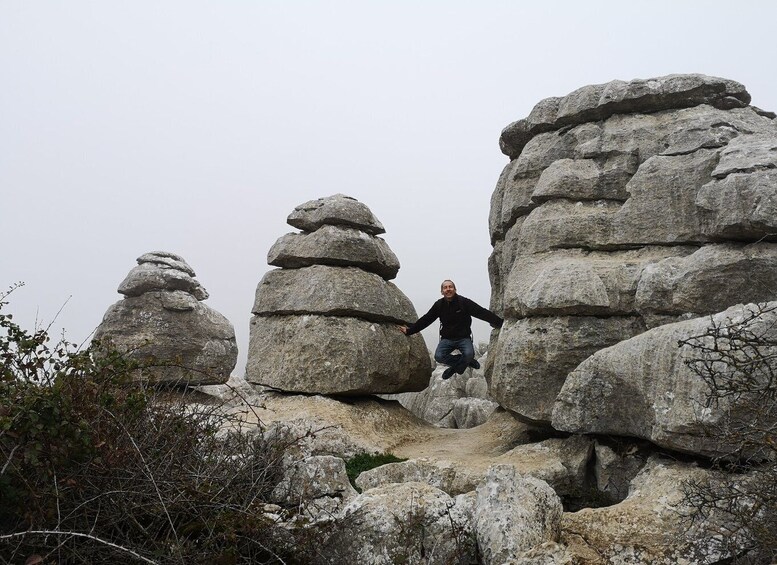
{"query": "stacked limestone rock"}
pixel 326 321
pixel 162 320
pixel 625 206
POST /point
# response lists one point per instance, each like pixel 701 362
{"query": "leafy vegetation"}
pixel 96 467
pixel 357 464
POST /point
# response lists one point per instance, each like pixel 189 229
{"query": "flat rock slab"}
pixel 559 462
pixel 166 258
pixel 712 278
pixel 195 342
pixel 335 355
pixel 332 291
pixel 582 283
pixel 333 245
pixel 149 276
pixel 338 210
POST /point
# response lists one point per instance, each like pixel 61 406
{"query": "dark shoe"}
pixel 448 373
pixel 474 364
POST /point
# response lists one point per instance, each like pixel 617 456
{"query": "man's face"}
pixel 448 290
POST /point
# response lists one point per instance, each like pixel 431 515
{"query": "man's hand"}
pixel 403 329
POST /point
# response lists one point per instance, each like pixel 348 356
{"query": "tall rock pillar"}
pixel 326 321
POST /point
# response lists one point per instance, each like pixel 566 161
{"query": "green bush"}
pixel 357 464
pixel 96 467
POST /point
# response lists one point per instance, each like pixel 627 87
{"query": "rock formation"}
pixel 632 216
pixel 162 320
pixel 454 403
pixel 325 322
pixel 667 399
pixel 625 206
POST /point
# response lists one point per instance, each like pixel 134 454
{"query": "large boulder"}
pixel 600 101
pixel 326 321
pixel 559 462
pixel 163 324
pixel 513 514
pixel 668 401
pixel 625 206
pixel 334 355
pixel 403 523
pixel 331 291
pixel 533 356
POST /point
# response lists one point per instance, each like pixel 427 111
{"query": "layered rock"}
pixel 665 395
pixel 625 206
pixel 162 323
pixel 326 321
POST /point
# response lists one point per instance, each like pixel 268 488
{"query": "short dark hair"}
pixel 445 281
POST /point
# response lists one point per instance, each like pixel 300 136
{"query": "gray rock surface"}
pixel 513 514
pixel 667 400
pixel 715 275
pixel 471 412
pixel 614 471
pixel 651 525
pixel 598 102
pixel 326 322
pixel 148 276
pixel 166 258
pixel 559 462
pixel 161 270
pixel 530 361
pixel 434 403
pixel 334 245
pixel 192 343
pixel 335 355
pixel 625 206
pixel 317 485
pixel 403 523
pixel 337 210
pixel 332 291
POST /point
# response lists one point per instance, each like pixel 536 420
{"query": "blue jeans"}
pixel 459 362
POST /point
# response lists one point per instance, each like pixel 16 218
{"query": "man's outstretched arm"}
pixel 481 313
pixel 423 322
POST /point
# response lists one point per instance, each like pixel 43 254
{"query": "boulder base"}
pixel 335 355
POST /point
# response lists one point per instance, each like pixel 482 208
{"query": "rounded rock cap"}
pixel 335 210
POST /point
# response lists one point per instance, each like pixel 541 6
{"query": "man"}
pixel 455 313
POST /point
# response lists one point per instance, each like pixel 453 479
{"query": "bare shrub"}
pixel 96 467
pixel 737 360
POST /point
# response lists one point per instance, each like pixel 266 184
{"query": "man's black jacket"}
pixel 455 317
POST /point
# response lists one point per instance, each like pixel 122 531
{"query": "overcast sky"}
pixel 196 127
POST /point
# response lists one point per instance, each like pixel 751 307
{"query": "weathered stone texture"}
pixel 332 291
pixel 192 343
pixel 532 357
pixel 666 398
pixel 403 523
pixel 337 210
pixel 333 245
pixel 513 514
pixel 326 321
pixel 625 206
pixel 335 355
